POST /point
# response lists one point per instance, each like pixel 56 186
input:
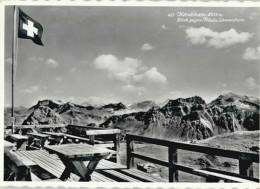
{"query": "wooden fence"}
pixel 246 159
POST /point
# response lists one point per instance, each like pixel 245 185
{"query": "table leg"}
pixel 68 169
pixel 85 172
pixel 81 170
pixel 21 145
pixel 42 143
pixel 56 141
pixel 91 167
pixel 60 140
pixel 78 167
pixel 30 141
pixel 66 173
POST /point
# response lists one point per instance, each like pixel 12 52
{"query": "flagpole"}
pixel 14 60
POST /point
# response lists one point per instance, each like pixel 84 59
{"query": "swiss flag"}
pixel 29 28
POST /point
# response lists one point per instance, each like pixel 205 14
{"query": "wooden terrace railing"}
pixel 246 159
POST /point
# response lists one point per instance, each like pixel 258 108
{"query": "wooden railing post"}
pixel 173 158
pixel 246 166
pixel 129 150
pixel 117 147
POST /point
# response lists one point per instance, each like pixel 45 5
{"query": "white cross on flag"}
pixel 29 28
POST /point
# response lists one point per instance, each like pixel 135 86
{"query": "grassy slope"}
pixel 240 141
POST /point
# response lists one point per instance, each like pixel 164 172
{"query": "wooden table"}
pixel 20 140
pixel 41 137
pixel 114 134
pixel 56 138
pixel 74 155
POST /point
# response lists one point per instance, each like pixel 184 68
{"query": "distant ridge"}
pixel 176 119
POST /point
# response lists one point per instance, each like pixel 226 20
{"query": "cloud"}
pixel 252 53
pixel 119 69
pixel 36 59
pixel 58 79
pixel 59 92
pixel 132 88
pixel 175 94
pixel 30 90
pixel 129 70
pixel 202 35
pixel 152 76
pixel 35 88
pixel 52 63
pixel 147 47
pixel 251 83
pixel 93 100
pixel 225 91
pixel 8 60
pixel 254 15
pixel 7 105
pixel 73 70
pixel 221 85
pixel 163 27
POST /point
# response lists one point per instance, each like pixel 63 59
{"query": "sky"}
pixel 128 54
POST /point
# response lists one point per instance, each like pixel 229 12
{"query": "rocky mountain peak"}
pixel 185 101
pixel 235 100
pixel 115 107
pixel 182 106
pixel 52 104
pixel 43 115
pixel 145 105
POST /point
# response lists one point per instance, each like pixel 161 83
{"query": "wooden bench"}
pixel 80 130
pixel 19 140
pixel 20 161
pixel 38 139
pixel 120 173
pixel 213 175
pixel 22 129
pixel 74 139
pixel 55 138
pixel 19 171
pixel 232 174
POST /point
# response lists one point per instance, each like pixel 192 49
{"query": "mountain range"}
pixel 177 119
